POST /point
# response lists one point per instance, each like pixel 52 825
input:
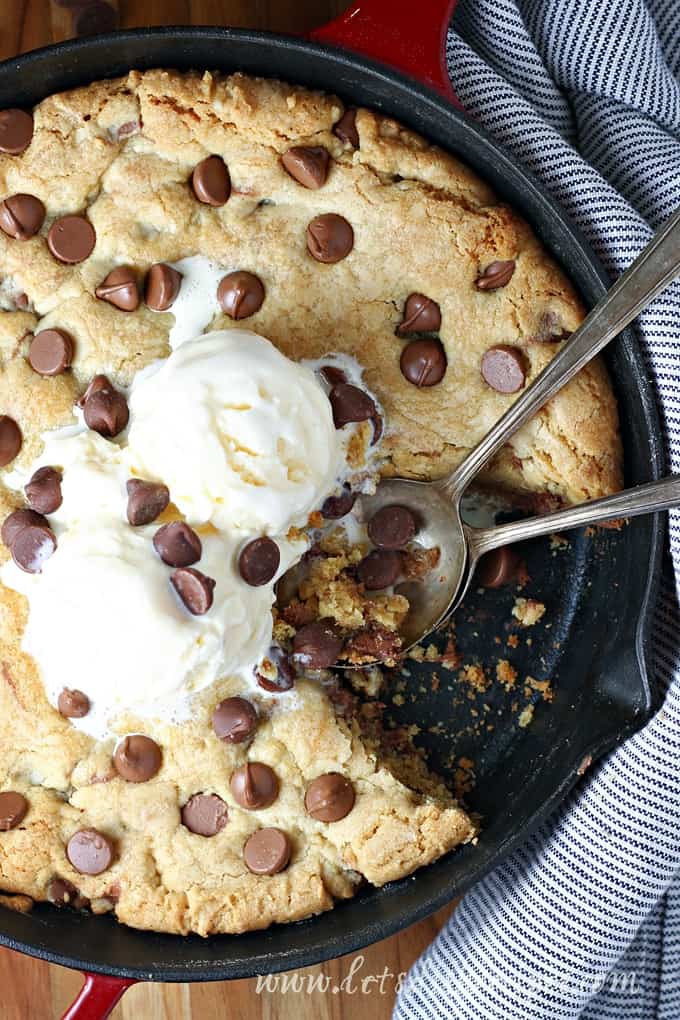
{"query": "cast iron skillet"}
pixel 598 592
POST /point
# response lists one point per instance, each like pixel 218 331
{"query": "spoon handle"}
pixel 656 267
pixel 643 499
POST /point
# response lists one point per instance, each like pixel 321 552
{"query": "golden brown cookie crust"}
pixel 422 222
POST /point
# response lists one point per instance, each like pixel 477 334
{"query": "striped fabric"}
pixel 584 919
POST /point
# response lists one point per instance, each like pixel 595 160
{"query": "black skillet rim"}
pixel 553 221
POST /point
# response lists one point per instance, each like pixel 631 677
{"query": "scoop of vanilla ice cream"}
pixel 105 619
pixel 242 436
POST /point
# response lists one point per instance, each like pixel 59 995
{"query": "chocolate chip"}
pixel 71 239
pixel 194 588
pixel 338 506
pixel 503 368
pixel 254 785
pixel 285 674
pixel 18 520
pixel 95 17
pixel 267 852
pixel 496 275
pixel 317 645
pixel 351 404
pixel 205 814
pixel 51 352
pixel 497 568
pixel 392 527
pixel 16 131
pixel 43 491
pixel 423 362
pixel 375 642
pixel 333 375
pixel 421 315
pixel 13 808
pixel 64 894
pixel 307 164
pixel 21 216
pixel 210 181
pixel 330 238
pixel 32 546
pixel 105 409
pixel 120 289
pixel 329 797
pixel 99 382
pixel 234 720
pixel 137 758
pixel 259 561
pixel 162 287
pixel 379 569
pixel 346 128
pixel 90 851
pixel 550 329
pixel 73 704
pixel 240 294
pixel 177 544
pixel 10 440
pixel 146 501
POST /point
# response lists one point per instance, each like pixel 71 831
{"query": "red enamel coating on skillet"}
pixel 606 676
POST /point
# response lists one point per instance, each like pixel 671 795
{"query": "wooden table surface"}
pixel 32 990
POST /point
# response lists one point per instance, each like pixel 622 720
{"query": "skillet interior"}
pixel 598 591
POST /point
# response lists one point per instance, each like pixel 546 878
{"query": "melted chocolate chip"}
pixel 338 506
pixel 421 315
pixel 64 894
pixel 177 544
pixel 503 368
pixel 137 758
pixel 205 814
pixel 13 808
pixel 259 560
pixel 21 216
pixel 90 851
pixel 240 294
pixel 497 568
pixel 329 798
pixel 146 501
pixel 194 589
pixel 105 409
pixel 330 238
pixel 32 546
pixel 307 164
pixel 73 704
pixel 267 852
pixel 18 520
pixel 423 362
pixel 234 720
pixel 346 128
pixel 254 786
pixel 496 275
pixel 317 645
pixel 43 491
pixel 351 404
pixel 162 287
pixel 99 382
pixel 71 239
pixel 379 569
pixel 332 374
pixel 120 289
pixel 10 440
pixel 16 131
pixel 51 352
pixel 392 527
pixel 210 181
pixel 285 674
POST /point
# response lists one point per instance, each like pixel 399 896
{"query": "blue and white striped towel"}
pixel 584 919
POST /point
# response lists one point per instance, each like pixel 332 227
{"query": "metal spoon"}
pixel 437 505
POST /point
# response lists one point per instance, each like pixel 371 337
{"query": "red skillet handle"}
pixel 97 997
pixel 408 35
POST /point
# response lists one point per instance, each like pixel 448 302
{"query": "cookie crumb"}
pixel 528 611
